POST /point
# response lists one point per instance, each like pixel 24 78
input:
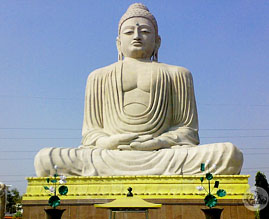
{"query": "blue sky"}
pixel 48 48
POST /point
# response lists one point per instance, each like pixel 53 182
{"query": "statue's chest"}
pixel 131 79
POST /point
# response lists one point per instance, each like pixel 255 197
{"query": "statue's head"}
pixel 138 34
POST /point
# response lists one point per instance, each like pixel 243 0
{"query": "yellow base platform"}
pixel 146 187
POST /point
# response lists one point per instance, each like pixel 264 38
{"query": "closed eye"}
pixel 145 31
pixel 128 32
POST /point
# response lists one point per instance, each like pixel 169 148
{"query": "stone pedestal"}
pixel 171 209
pixel 177 194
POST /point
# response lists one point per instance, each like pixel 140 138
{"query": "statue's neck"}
pixel 133 60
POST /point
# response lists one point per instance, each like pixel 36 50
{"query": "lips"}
pixel 136 43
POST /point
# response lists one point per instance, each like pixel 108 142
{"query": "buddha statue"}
pixel 140 115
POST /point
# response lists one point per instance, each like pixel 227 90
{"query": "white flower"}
pixel 200 188
pixel 62 180
pixel 214 167
pixel 55 167
pixel 63 177
pixel 51 189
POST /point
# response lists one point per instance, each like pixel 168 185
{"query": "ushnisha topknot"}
pixel 138 10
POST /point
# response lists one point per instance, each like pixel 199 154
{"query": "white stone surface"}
pixel 148 112
pixel 103 162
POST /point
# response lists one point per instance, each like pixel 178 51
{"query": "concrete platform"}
pixel 178 195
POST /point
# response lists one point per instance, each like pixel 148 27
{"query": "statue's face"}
pixel 137 38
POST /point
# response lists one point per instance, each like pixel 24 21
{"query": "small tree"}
pixel 261 181
pixel 13 198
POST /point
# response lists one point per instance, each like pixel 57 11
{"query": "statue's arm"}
pixel 185 120
pixel 92 129
pixel 93 133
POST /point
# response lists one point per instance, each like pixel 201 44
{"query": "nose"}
pixel 137 34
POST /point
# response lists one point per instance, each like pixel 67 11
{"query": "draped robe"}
pixel 171 116
pixel 171 113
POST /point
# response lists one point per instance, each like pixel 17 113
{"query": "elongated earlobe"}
pixel 157 46
pixel 120 55
pixel 155 55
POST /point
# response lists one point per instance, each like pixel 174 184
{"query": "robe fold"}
pixel 171 113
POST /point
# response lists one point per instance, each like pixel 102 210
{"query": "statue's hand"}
pixel 143 138
pixel 150 145
pixel 112 142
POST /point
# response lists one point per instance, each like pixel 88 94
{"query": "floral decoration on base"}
pixel 210 199
pixel 54 200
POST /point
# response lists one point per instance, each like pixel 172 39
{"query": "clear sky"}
pixel 48 48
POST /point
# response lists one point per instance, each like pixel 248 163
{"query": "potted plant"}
pixel 54 199
pixel 210 199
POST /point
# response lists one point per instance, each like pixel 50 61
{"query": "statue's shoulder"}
pixel 174 70
pixel 100 72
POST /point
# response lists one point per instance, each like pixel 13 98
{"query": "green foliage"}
pixel 54 200
pixel 202 167
pixel 63 190
pixel 54 180
pixel 209 176
pixel 262 182
pixel 221 193
pixel 13 198
pixel 210 200
pixel 257 215
pixel 18 214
